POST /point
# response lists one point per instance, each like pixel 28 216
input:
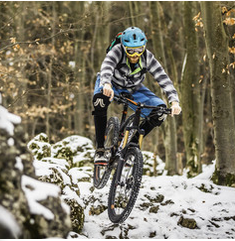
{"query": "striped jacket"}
pixel 123 77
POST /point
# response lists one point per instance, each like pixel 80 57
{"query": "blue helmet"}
pixel 133 37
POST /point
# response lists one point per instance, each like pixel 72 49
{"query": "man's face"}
pixel 134 59
pixel 134 53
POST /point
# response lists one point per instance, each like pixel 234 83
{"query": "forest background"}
pixel 51 52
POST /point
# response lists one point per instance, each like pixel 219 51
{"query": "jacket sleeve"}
pixel 158 73
pixel 109 64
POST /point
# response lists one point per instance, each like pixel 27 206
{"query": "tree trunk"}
pixel 170 140
pixel 79 58
pixel 222 108
pixel 49 76
pixel 132 19
pixel 190 93
pixel 230 31
pixel 171 147
pixel 23 86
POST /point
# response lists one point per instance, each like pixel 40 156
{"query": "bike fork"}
pixel 141 140
pixel 121 162
pixel 141 136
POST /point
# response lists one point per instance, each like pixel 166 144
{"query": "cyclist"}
pixel 123 70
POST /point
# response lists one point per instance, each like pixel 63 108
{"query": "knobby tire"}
pixel 114 200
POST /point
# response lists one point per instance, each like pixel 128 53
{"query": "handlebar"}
pixel 120 99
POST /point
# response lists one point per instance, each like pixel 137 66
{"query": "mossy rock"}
pixel 40 147
pixel 65 153
pixel 154 209
pixel 187 223
pixel 203 188
pixel 221 179
pixel 74 148
pixel 42 137
pixel 158 199
pixel 77 215
pixel 97 210
pixel 153 234
pixel 145 205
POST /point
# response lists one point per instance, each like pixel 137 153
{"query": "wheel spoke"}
pixel 123 193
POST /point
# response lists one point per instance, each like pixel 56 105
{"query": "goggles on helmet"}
pixel 134 51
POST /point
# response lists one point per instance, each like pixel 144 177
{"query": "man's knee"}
pixel 100 103
pixel 156 119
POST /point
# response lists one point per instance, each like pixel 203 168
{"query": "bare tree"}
pixel 190 92
pixel 221 93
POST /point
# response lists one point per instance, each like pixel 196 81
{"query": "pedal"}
pixel 100 163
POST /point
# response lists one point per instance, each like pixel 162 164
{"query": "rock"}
pixel 58 168
pixel 145 205
pixel 72 147
pixel 110 237
pixel 154 209
pixel 97 210
pixel 187 223
pixel 152 234
pixel 167 202
pixel 125 228
pixel 77 215
pixel 109 228
pixel 158 199
pixel 40 146
pixel 26 202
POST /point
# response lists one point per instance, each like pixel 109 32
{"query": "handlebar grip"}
pixel 168 111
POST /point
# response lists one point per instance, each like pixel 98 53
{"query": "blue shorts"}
pixel 143 95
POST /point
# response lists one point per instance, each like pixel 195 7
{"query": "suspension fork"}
pixel 122 152
pixel 123 119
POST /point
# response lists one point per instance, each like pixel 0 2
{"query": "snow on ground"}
pixel 213 210
pixel 172 197
pixel 162 204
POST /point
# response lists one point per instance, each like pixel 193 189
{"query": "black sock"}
pixel 100 127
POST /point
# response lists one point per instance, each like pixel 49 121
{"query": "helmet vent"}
pixel 134 36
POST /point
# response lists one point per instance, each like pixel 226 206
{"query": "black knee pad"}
pixel 100 103
pixel 156 119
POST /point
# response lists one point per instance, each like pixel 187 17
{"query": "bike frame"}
pixel 125 101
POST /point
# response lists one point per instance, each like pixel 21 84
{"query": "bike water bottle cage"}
pixel 134 51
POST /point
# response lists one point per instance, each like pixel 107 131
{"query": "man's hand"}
pixel 108 91
pixel 176 109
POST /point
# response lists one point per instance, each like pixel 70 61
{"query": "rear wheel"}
pixel 102 173
pixel 123 193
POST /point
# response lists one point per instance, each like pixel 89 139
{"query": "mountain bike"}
pixel 125 158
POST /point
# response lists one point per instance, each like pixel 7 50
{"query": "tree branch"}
pixel 36 41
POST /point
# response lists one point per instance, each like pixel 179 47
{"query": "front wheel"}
pixel 102 173
pixel 123 193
